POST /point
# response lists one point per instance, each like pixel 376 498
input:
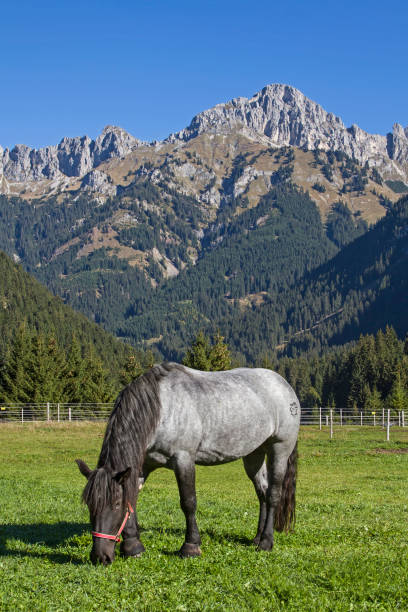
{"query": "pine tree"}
pixel 374 401
pixel 96 386
pixel 46 369
pixel 17 386
pixel 311 398
pixel 75 373
pixel 219 355
pixel 197 356
pixel 131 370
pixel 206 356
pixel 397 399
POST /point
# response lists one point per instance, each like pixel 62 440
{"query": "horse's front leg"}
pixel 131 546
pixel 184 469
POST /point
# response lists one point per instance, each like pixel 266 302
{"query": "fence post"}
pixel 327 420
pixel 69 413
pixel 403 418
pixel 399 418
pixel 361 419
pixel 320 418
pixel 374 418
pixel 58 412
pixel 22 415
pixel 341 417
pixel 48 411
pixel 331 423
pixel 388 425
pixel 383 417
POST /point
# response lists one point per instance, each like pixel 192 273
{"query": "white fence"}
pixel 341 417
pixel 48 411
pixel 321 417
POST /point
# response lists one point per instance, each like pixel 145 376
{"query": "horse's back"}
pixel 225 415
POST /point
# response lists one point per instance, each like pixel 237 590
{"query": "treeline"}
pixel 36 368
pixel 368 376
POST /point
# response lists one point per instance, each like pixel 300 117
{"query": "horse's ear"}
pixel 120 477
pixel 83 468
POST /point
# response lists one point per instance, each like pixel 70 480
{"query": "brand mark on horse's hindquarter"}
pixel 293 409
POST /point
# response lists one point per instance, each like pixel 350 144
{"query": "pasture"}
pixel 349 550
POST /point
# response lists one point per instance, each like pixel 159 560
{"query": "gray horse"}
pixel 176 417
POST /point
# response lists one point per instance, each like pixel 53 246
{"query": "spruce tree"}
pixel 397 399
pixel 75 373
pixel 46 369
pixel 219 355
pixel 197 356
pixel 96 386
pixel 17 386
pixel 131 369
pixel 374 401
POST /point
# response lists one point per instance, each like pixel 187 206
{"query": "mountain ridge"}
pixel 278 115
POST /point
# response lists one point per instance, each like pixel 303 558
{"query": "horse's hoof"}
pixel 132 548
pixel 265 545
pixel 189 550
pixel 256 540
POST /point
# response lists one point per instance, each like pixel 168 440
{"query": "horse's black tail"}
pixel 285 515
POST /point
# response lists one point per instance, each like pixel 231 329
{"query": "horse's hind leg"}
pixel 276 463
pixel 255 468
pixel 184 468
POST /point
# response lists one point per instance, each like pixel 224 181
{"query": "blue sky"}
pixel 70 68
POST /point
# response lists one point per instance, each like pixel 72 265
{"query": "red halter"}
pixel 116 537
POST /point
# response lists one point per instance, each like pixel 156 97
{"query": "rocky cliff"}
pixel 279 115
pixel 72 157
pixel 283 116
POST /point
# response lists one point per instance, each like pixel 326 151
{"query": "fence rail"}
pixel 59 412
pixel 322 417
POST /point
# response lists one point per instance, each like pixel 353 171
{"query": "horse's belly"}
pixel 213 457
pixel 223 444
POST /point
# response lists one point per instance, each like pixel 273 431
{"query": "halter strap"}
pixel 116 537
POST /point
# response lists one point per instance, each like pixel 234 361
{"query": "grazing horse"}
pixel 176 417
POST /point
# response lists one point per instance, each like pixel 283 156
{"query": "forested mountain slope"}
pixel 363 289
pixel 24 300
pixel 261 254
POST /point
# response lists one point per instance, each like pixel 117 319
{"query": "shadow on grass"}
pixel 54 535
pixel 220 538
pixel 41 534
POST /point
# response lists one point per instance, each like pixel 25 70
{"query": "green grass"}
pixel 349 550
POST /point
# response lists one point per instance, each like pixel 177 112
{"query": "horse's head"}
pixel 108 506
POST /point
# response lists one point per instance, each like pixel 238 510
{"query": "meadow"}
pixel 349 550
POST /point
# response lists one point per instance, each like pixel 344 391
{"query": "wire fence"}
pixel 51 412
pixel 323 417
pixel 330 418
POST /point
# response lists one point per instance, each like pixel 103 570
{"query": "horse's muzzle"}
pixel 103 556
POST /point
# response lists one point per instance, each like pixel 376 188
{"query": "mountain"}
pixel 217 227
pixel 279 115
pixel 285 117
pixel 72 157
pixel 24 299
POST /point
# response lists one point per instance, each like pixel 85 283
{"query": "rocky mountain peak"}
pixel 278 115
pixel 282 115
pixel 72 157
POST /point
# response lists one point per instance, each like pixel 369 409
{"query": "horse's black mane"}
pixel 133 419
